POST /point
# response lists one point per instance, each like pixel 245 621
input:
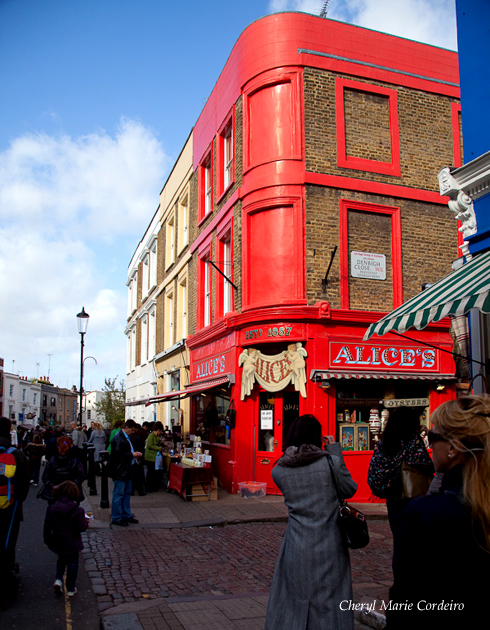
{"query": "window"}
pixel 45 400
pixel 134 292
pixel 11 390
pixel 68 405
pixel 170 241
pixel 204 285
pixel 225 156
pixel 153 265
pixel 173 385
pixel 152 327
pixel 133 348
pixel 182 309
pixel 146 275
pixel 53 402
pixel 61 404
pixel 130 297
pixel 89 414
pixel 169 320
pixel 206 185
pixel 144 340
pixel 23 395
pixel 34 398
pixel 224 288
pixel 367 127
pixel 207 293
pixel 183 219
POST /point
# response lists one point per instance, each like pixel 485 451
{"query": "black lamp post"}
pixel 82 320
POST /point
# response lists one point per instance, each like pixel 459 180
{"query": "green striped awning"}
pixel 456 294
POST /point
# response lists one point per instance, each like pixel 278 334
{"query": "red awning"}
pixel 192 390
pixel 386 375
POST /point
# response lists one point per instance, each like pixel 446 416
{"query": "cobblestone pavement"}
pixel 211 572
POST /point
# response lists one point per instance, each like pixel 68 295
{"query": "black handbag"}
pixel 352 523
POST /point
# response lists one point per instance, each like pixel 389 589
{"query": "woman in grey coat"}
pixel 312 575
pixel 98 439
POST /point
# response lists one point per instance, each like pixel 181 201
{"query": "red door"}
pixel 275 413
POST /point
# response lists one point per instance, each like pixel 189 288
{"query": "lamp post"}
pixel 82 320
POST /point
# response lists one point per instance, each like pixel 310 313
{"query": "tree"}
pixel 113 401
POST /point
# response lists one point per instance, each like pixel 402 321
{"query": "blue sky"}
pixel 96 101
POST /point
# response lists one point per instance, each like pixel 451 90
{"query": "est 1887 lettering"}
pixel 256 333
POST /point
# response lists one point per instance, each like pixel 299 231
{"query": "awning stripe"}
pixel 192 390
pixel 456 294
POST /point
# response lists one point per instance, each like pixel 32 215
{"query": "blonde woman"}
pixel 442 558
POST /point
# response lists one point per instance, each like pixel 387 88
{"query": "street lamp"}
pixel 82 320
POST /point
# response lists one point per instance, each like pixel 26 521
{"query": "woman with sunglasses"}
pixel 441 559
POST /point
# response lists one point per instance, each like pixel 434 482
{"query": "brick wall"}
pixel 424 128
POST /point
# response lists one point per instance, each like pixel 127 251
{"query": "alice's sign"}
pixel 366 356
pixel 367 265
pixel 275 372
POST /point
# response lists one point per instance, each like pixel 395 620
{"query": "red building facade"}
pixel 314 210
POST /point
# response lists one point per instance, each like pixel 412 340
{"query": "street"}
pixel 160 572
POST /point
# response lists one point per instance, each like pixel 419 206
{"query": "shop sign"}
pixel 411 358
pixel 271 332
pixel 367 265
pixel 275 372
pixel 405 402
pixel 211 367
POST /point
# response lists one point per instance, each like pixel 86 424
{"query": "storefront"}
pixel 273 371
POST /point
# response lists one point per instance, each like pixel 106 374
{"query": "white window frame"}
pixel 152 333
pixel 146 275
pixel 207 292
pixel 144 340
pixel 228 157
pixel 208 187
pixel 153 265
pixel 227 295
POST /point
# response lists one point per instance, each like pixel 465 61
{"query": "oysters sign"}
pixel 274 372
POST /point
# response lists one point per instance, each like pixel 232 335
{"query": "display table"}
pixel 183 477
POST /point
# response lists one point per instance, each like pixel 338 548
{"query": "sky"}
pixel 97 98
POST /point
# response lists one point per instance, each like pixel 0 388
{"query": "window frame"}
pixel 225 142
pixel 206 184
pixel 364 164
pixel 205 285
pixel 224 288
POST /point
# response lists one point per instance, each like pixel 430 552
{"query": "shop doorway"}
pixel 275 413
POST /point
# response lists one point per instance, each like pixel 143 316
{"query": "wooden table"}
pixel 183 477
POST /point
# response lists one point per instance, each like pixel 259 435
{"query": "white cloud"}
pixel 69 210
pixel 429 21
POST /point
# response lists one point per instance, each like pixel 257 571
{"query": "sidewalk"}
pixel 168 511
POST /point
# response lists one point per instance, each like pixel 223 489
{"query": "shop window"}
pixel 172 406
pixel 367 127
pixel 225 263
pixel 225 156
pixel 206 185
pixel 211 425
pixel 362 407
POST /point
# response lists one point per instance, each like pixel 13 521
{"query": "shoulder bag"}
pixel 352 523
pixel 416 479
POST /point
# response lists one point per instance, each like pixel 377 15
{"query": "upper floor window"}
pixel 183 219
pixel 146 275
pixel 207 292
pixel 182 309
pixel 23 395
pixel 206 185
pixel 11 390
pixel 34 398
pixel 152 328
pixel 224 297
pixel 225 155
pixel 134 292
pixel 169 320
pixel 170 236
pixel 53 402
pixel 153 265
pixel 144 340
pixel 61 404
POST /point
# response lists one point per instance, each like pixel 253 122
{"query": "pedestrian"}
pixel 123 457
pixel 78 436
pixel 63 525
pixel 98 439
pixel 401 442
pixel 11 514
pixel 442 557
pixel 138 440
pixel 117 427
pixel 64 465
pixel 153 446
pixel 312 575
pixel 35 451
pixel 51 444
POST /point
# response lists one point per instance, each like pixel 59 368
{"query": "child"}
pixel 63 525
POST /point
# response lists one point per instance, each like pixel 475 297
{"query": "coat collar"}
pixel 303 455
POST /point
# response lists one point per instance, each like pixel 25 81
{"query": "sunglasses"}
pixel 433 437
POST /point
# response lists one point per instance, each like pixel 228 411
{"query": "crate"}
pixel 252 489
pixel 201 489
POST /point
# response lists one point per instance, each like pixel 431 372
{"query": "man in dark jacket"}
pixel 11 517
pixel 123 456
